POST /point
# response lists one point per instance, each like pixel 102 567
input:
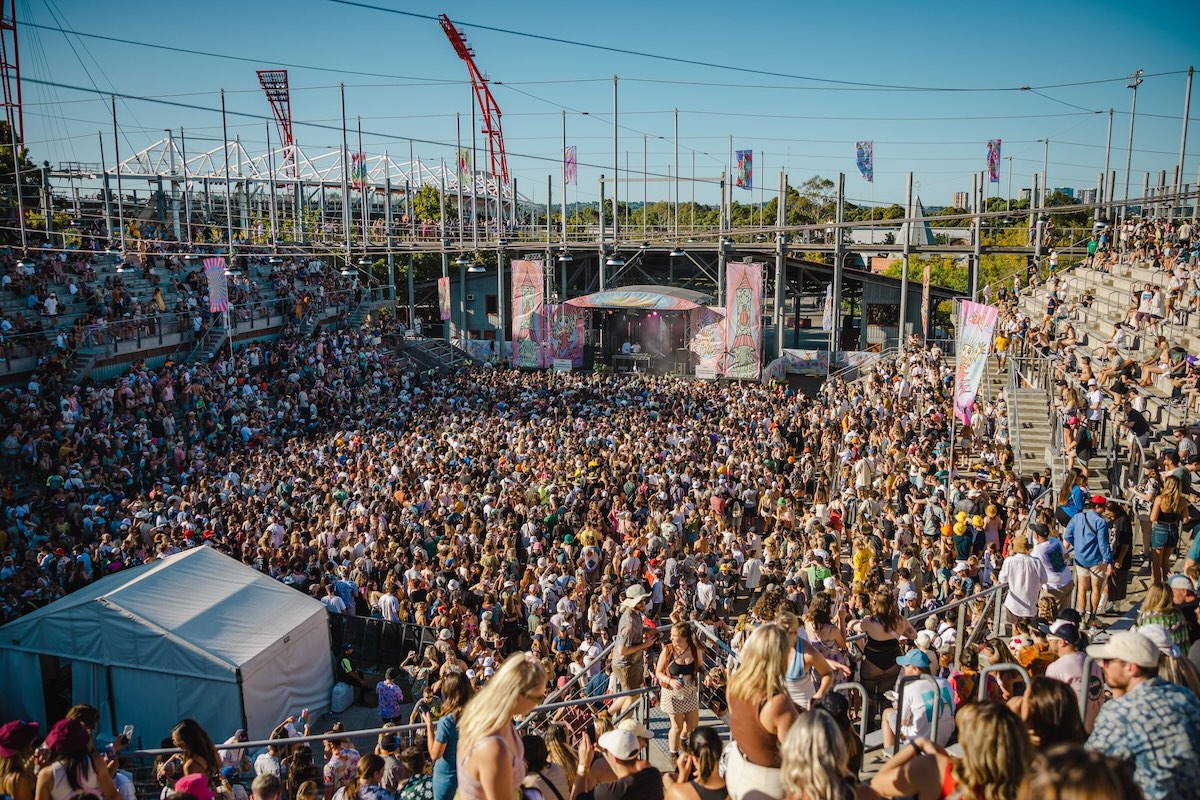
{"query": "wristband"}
pixel 916 747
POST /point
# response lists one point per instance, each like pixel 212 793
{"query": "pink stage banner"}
pixel 565 330
pixel 218 286
pixel 443 298
pixel 925 300
pixel 708 340
pixel 528 283
pixel 743 320
pixel 975 325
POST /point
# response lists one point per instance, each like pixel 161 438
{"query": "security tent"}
pixel 197 635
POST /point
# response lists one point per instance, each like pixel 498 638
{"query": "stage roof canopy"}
pixel 650 298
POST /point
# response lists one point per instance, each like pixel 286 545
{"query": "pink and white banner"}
pixel 976 322
pixel 707 341
pixel 743 320
pixel 443 298
pixel 218 287
pixel 528 284
pixel 565 329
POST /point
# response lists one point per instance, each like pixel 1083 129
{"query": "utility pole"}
pixel 1134 83
pixel 1187 105
pixel 780 264
pixel 616 170
pixel 908 213
pixel 1105 192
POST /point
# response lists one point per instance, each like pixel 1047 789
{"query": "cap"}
pixel 1098 500
pixel 636 728
pixel 914 658
pixel 445 634
pixel 228 773
pixel 15 736
pixel 1091 381
pixel 1072 420
pixel 68 737
pixel 1129 646
pixel 1064 631
pixel 1181 581
pixel 1161 638
pixel 622 745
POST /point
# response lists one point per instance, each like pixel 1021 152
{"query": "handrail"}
pixel 321 737
pixel 580 680
pixel 990 668
pixel 863 716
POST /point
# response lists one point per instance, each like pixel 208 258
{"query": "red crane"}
pixel 275 84
pixel 483 95
pixel 10 69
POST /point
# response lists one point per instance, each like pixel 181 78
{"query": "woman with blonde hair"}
pixel 996 751
pixel 1166 518
pixel 1158 608
pixel 679 671
pixel 491 759
pixel 804 661
pixel 760 714
pixel 816 763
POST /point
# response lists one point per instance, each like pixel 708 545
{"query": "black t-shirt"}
pixel 646 784
pixel 1137 423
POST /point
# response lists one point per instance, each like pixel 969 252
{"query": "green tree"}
pixel 426 202
pixel 31 177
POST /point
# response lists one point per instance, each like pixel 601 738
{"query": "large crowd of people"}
pixel 742 547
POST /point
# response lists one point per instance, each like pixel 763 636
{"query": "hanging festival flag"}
pixel 925 300
pixel 975 325
pixel 443 286
pixel 866 160
pixel 743 320
pixel 993 160
pixel 570 164
pixel 564 329
pixel 463 164
pixel 358 170
pixel 745 169
pixel 827 314
pixel 528 297
pixel 218 288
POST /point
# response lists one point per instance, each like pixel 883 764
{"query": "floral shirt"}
pixel 418 787
pixel 1157 726
pixel 390 699
pixel 341 767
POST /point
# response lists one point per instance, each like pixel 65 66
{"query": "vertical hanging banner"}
pixel 924 300
pixel 827 312
pixel 745 169
pixel 443 298
pixel 993 160
pixel 358 170
pixel 570 164
pixel 865 159
pixel 463 164
pixel 528 281
pixel 565 330
pixel 218 287
pixel 975 325
pixel 743 320
pixel 708 340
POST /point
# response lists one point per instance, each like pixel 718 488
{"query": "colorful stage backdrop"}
pixel 565 330
pixel 528 283
pixel 708 340
pixel 443 298
pixel 743 320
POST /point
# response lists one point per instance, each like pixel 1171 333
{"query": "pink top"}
pixel 469 787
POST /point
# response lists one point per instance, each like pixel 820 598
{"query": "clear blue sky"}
pixel 807 126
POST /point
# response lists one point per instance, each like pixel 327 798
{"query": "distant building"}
pixel 959 200
pixel 1065 190
pixel 1087 196
pixel 1026 194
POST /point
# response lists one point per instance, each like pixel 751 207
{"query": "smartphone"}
pixel 127 734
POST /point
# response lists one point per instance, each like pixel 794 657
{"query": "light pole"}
pixel 1045 163
pixel 1008 205
pixel 1134 82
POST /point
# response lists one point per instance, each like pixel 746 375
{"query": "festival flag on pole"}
pixel 218 288
pixel 827 314
pixel 570 164
pixel 358 170
pixel 745 169
pixel 463 163
pixel 993 160
pixel 975 325
pixel 528 298
pixel 443 287
pixel 866 160
pixel 925 300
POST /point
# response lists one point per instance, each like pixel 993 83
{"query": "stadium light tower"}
pixel 275 84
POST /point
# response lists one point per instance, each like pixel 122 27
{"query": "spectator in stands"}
pixel 760 714
pixel 266 787
pixel 996 752
pixel 1167 515
pixel 1088 534
pixel 1151 722
pixel 816 762
pixel 1072 772
pixel 443 742
pixel 1051 713
pixel 390 696
pixel 75 769
pixel 680 670
pixel 364 784
pixel 490 763
pixel 17 778
pixel 922 703
pixel 884 628
pixel 419 783
pixel 698 774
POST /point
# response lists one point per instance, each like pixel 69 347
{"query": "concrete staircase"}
pixel 436 354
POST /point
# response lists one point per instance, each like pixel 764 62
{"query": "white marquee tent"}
pixel 197 635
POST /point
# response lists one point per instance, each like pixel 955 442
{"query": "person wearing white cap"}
pixel 1153 723
pixel 632 642
pixel 1025 576
pixel 620 749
